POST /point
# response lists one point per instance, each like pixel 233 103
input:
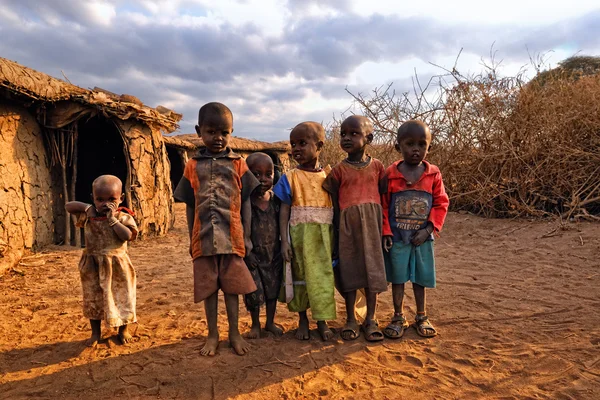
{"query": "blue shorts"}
pixel 406 262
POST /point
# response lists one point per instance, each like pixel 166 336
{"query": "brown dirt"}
pixel 517 314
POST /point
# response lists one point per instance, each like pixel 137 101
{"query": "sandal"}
pixel 422 325
pixel 372 331
pixel 398 329
pixel 352 329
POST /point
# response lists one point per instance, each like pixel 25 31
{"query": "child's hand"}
pixel 387 243
pixel 112 210
pixel 286 250
pixel 251 261
pixel 249 246
pixel 419 237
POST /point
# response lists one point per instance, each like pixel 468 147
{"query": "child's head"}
pixel 355 133
pixel 107 189
pixel 413 141
pixel 215 125
pixel 307 140
pixel 261 165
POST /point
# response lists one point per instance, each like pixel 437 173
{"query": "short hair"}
pixel 410 126
pixel 316 129
pixel 213 108
pixel 258 157
pixel 362 121
pixel 107 180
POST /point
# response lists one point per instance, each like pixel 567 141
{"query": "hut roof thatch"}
pixel 191 141
pixel 38 86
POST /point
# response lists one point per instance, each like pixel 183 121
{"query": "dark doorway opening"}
pixel 177 166
pixel 101 151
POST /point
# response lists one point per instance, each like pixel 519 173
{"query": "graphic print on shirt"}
pixel 409 212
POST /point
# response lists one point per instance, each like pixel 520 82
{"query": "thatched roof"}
pixel 191 141
pixel 37 86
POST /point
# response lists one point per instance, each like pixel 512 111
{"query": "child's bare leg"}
pixel 124 334
pixel 232 302
pixel 212 341
pixel 350 331
pixel 370 326
pixel 423 325
pixel 371 305
pixel 255 329
pixel 324 330
pixel 398 324
pixel 96 325
pixel 270 326
pixel 302 333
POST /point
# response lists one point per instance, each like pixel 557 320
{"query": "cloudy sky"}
pixel 279 62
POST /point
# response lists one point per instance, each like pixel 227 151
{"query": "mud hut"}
pixel 55 138
pixel 181 147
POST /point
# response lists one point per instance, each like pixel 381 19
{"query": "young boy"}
pixel 354 185
pixel 216 188
pixel 306 215
pixel 265 262
pixel 414 207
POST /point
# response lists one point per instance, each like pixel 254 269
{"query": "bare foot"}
pixel 302 333
pixel 210 347
pixel 124 334
pixel 93 340
pixel 254 332
pixel 274 329
pixel 324 330
pixel 238 343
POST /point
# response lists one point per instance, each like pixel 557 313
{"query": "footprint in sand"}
pixel 414 361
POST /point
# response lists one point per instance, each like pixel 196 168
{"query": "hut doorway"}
pixel 100 150
pixel 177 165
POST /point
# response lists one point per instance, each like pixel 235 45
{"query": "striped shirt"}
pixel 216 186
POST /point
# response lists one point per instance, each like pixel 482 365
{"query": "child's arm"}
pixel 77 207
pixel 385 205
pixel 247 224
pixel 189 215
pixel 336 224
pixel 439 208
pixel 284 226
pixel 123 232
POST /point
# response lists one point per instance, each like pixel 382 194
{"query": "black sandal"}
pixel 395 327
pixel 422 324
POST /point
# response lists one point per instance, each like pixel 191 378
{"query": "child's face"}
pixel 354 136
pixel 215 132
pixel 414 146
pixel 263 171
pixel 104 194
pixel 305 146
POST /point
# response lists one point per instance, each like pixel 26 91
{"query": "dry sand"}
pixel 517 314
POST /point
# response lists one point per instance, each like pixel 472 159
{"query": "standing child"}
pixel 306 215
pixel 107 275
pixel 414 207
pixel 216 188
pixel 354 185
pixel 265 262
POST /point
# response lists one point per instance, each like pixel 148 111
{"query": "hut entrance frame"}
pixel 79 153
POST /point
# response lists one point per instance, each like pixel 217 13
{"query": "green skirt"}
pixel 312 271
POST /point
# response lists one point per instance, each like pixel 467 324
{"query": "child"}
pixel 414 206
pixel 306 215
pixel 354 185
pixel 216 187
pixel 265 262
pixel 107 275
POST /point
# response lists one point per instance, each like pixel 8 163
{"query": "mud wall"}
pixel 26 218
pixel 151 192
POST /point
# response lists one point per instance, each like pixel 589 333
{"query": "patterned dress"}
pixel 107 276
pixel 266 248
pixel 311 233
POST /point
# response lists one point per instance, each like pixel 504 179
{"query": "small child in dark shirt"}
pixel 264 261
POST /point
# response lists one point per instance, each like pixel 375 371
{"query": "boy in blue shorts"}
pixel 414 207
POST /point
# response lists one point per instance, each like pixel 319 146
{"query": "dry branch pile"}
pixel 506 147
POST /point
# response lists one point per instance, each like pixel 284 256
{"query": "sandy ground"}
pixel 516 306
